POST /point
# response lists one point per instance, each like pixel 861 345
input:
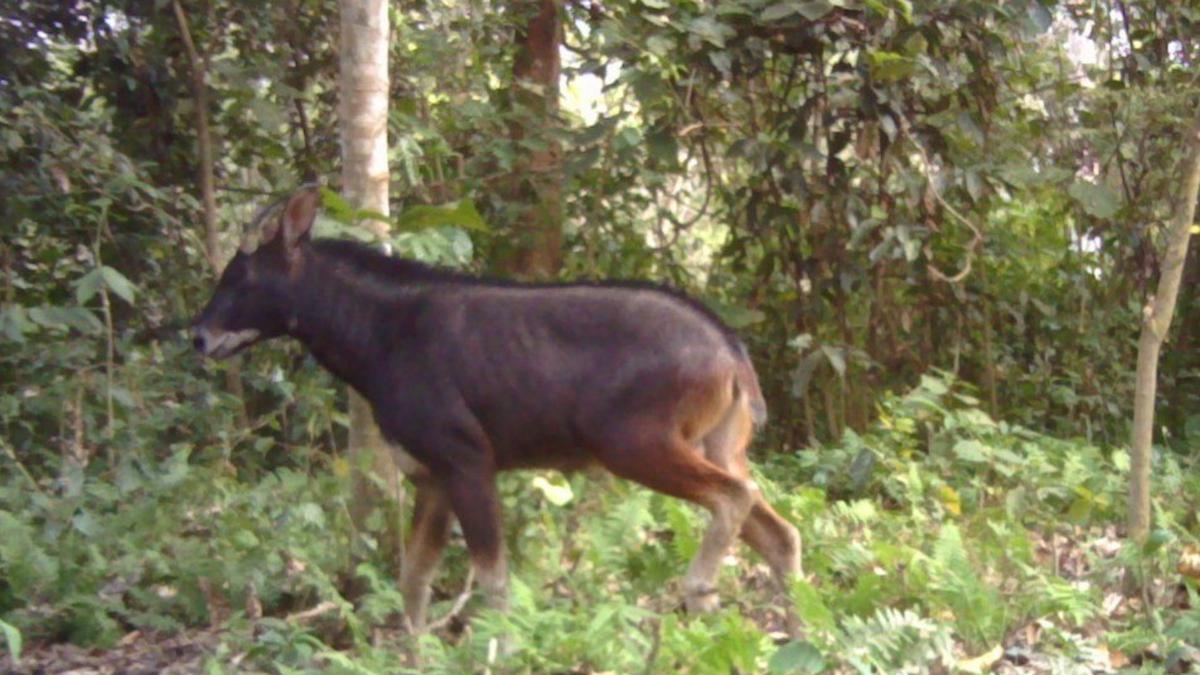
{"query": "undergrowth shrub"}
pixel 934 537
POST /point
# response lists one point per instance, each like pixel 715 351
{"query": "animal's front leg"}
pixel 476 503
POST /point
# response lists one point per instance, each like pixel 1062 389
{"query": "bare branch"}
pixel 459 603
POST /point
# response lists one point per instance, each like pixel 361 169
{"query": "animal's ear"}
pixel 298 216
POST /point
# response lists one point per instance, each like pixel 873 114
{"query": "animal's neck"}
pixel 348 322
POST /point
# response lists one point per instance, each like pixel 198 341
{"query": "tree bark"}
pixel 1156 321
pixel 535 187
pixel 206 175
pixel 363 101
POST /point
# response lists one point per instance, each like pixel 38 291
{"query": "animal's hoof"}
pixel 701 600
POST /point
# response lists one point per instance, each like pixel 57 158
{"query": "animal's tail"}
pixel 746 381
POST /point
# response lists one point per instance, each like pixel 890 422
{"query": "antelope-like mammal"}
pixel 470 377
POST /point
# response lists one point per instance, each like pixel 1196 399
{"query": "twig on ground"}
pixel 313 612
pixel 459 603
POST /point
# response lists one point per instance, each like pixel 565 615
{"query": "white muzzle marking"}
pixel 221 344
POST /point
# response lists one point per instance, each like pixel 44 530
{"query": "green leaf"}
pixel 861 468
pixel 86 524
pixel 934 386
pixel 118 283
pixel 736 317
pixel 79 318
pixel 814 9
pixel 778 11
pixel 660 45
pixel 971 450
pixel 798 656
pixel 14 323
pixel 711 31
pixel 87 286
pixel 456 214
pixel 337 206
pixel 245 539
pixel 1095 198
pixel 13 637
pixel 810 608
pixel 721 61
pixel 889 66
pixel 1039 17
pixel 1156 540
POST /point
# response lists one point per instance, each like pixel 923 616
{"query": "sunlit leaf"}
pixel 13 637
pixel 460 214
pixel 558 493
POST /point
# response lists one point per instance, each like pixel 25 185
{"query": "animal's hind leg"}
pixel 774 538
pixel 663 461
pixel 426 541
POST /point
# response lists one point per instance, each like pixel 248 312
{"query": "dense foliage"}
pixel 934 223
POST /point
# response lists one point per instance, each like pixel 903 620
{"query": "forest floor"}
pixel 938 541
pixel 1024 650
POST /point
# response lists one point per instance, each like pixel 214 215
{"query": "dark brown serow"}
pixel 471 377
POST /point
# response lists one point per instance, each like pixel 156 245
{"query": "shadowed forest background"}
pixel 938 226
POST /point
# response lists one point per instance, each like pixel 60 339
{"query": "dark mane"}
pixel 384 267
pixel 394 269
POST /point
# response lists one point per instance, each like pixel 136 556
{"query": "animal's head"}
pixel 253 299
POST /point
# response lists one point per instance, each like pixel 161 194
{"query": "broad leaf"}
pixel 460 214
pixel 87 286
pixel 1097 199
pixel 116 282
pixel 13 637
pixel 798 656
pixel 971 450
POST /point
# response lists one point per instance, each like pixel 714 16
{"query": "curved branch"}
pixel 977 235
pixel 459 603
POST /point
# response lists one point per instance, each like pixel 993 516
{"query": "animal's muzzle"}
pixel 220 344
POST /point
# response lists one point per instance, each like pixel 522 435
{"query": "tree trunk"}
pixel 535 187
pixel 1156 320
pixel 364 116
pixel 207 178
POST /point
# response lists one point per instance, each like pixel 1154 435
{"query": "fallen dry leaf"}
pixel 981 663
pixel 1189 562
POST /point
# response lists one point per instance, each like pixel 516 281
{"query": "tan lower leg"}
pixel 430 530
pixel 728 513
pixel 778 542
pixel 493 581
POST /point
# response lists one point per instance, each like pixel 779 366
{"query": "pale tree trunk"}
pixel 364 115
pixel 535 249
pixel 206 176
pixel 1156 320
